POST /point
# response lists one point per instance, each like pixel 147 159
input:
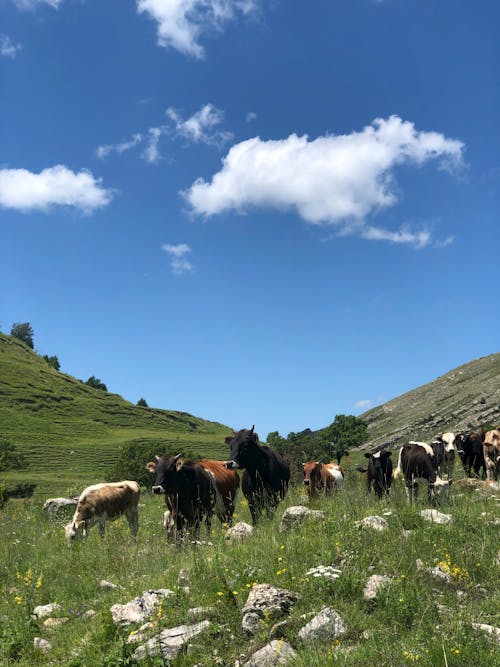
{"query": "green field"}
pixel 71 433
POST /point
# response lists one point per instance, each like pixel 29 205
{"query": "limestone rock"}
pixel 54 622
pixel 44 610
pixel 374 584
pixel 42 644
pixel 296 515
pixel 138 609
pixel 325 626
pixel 169 642
pixel 266 601
pixel 277 652
pixel 489 629
pixel 435 516
pixel 239 531
pixel 54 505
pixel 375 522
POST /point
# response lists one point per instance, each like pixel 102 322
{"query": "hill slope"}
pixel 71 432
pixel 465 397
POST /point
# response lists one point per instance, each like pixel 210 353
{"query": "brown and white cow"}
pixel 491 451
pixel 322 477
pixel 417 462
pixel 226 484
pixel 100 502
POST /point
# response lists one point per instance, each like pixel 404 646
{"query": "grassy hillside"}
pixel 466 397
pixel 71 433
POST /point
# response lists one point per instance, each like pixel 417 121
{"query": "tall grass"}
pixel 403 626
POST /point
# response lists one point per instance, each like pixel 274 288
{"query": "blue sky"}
pixel 254 211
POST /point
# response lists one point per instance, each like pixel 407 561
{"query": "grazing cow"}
pixel 189 493
pixel 100 502
pixel 379 472
pixel 322 477
pixel 266 474
pixel 444 452
pixel 226 483
pixel 491 451
pixel 417 462
pixel 469 445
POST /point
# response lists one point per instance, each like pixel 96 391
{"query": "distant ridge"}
pixel 463 398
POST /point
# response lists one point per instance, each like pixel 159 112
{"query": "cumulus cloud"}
pixel 7 47
pixel 24 190
pixel 107 149
pixel 178 257
pixel 332 180
pixel 182 22
pixel 200 127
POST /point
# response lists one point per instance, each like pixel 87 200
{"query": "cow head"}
pixel 244 449
pixel 166 469
pixel 76 530
pixel 312 476
pixel 440 486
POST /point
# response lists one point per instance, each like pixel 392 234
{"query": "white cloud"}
pixel 364 404
pixel 178 260
pixel 251 115
pixel 152 153
pixel 182 22
pixel 33 4
pixel 200 127
pixel 8 48
pixel 331 180
pixel 107 149
pixel 55 186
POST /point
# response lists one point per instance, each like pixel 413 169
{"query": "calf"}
pixel 469 445
pixel 416 463
pixel 379 472
pixel 322 477
pixel 189 493
pixel 266 474
pixel 491 451
pixel 444 452
pixel 226 483
pixel 100 502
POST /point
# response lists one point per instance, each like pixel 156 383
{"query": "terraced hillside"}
pixel 466 397
pixel 71 433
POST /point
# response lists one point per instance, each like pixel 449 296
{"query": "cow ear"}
pixel 178 463
pixel 367 455
pixel 151 466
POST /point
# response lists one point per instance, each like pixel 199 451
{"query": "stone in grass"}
pixel 169 642
pixel 53 505
pixel 44 610
pixel 277 652
pixel 325 626
pixel 138 609
pixel 435 516
pixel 108 585
pixel 489 629
pixel 266 601
pixel 42 644
pixel 239 531
pixel 294 516
pixel 54 622
pixel 375 522
pixel 374 584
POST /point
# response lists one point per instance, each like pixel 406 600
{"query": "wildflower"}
pixel 456 651
pixel 18 599
pixel 282 546
pixel 38 583
pixel 235 592
pixel 220 593
pixel 279 559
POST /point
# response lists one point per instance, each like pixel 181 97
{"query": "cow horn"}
pixel 157 457
pixel 177 456
pixel 251 430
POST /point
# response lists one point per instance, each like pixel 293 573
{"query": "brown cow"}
pixel 226 484
pixel 491 450
pixel 100 502
pixel 322 477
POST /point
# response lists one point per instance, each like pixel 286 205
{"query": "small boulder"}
pixel 169 642
pixel 42 644
pixel 489 629
pixel 54 622
pixel 325 626
pixel 294 516
pixel 277 652
pixel 44 610
pixel 54 505
pixel 375 522
pixel 434 516
pixel 138 609
pixel 266 601
pixel 374 584
pixel 107 584
pixel 239 531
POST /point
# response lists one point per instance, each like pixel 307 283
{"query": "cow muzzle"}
pixel 158 489
pixel 231 465
pixel 307 482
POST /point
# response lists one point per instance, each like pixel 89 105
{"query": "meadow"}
pixel 415 620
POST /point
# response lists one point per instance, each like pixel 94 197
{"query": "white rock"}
pixel 277 652
pixel 239 531
pixel 138 609
pixel 265 600
pixel 44 610
pixel 42 644
pixel 294 516
pixel 53 505
pixel 170 641
pixel 374 584
pixel 435 516
pixel 325 626
pixel 107 584
pixel 54 622
pixel 375 522
pixel 489 629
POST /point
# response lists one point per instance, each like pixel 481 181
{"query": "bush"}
pixel 53 361
pixel 95 383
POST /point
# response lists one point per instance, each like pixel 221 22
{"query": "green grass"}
pixel 402 627
pixel 71 433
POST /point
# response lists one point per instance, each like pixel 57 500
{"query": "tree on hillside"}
pixel 53 361
pixel 142 403
pixel 95 383
pixel 10 458
pixel 23 331
pixel 346 432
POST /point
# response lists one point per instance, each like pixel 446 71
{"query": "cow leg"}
pixel 133 521
pixel 102 528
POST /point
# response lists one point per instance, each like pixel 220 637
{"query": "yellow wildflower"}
pixel 18 599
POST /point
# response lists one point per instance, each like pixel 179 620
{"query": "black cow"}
pixel 266 474
pixel 444 451
pixel 379 472
pixel 469 445
pixel 416 461
pixel 189 492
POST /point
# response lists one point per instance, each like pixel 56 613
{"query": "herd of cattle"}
pixel 195 491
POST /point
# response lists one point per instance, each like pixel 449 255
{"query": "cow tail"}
pixel 398 470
